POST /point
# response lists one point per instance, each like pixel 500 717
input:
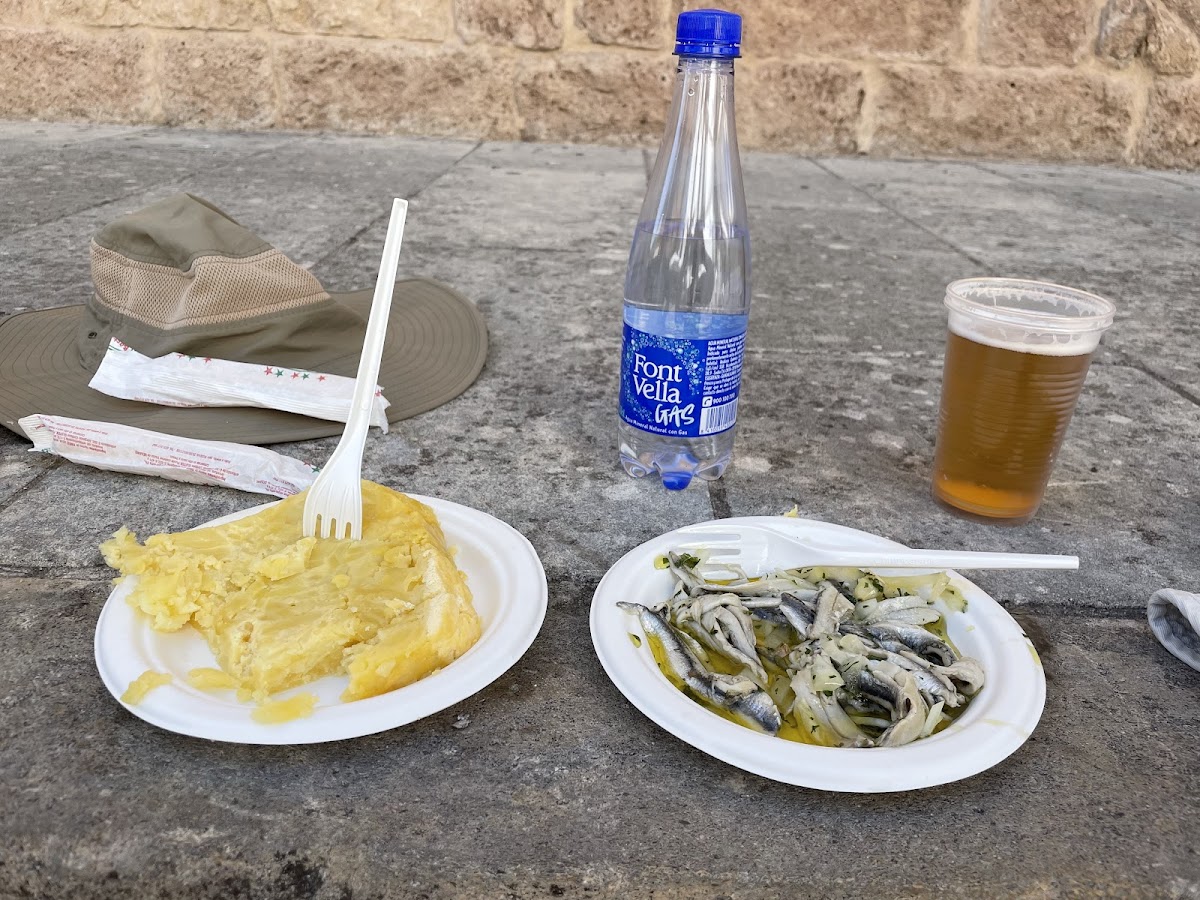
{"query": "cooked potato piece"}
pixel 144 684
pixel 280 610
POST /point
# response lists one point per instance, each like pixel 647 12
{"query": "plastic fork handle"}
pixel 939 559
pixel 381 306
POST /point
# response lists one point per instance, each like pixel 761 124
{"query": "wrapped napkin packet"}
pixel 1175 620
pixel 123 448
pixel 181 380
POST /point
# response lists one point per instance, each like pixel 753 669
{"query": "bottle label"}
pixel 680 387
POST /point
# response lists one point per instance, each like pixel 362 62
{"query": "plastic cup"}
pixel 1016 359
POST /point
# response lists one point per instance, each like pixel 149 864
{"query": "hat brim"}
pixel 435 348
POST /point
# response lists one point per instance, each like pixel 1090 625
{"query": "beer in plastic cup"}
pixel 1016 358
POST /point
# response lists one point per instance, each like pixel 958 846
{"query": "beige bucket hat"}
pixel 181 276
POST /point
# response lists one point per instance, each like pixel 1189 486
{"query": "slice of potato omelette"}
pixel 279 609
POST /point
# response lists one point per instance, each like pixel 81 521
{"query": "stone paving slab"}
pixel 1018 219
pixel 43 187
pixel 558 786
pixel 23 138
pixel 774 233
pixel 341 184
pixel 487 202
pixel 774 181
pixel 525 293
pixel 557 780
pixel 832 297
pixel 1017 233
pixel 19 467
pixel 1119 194
pixel 1188 179
pixel 872 174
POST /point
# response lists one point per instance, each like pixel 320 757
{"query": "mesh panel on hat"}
pixel 215 290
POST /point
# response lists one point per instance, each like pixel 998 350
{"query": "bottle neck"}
pixel 703 88
pixel 704 65
pixel 696 185
pixel 703 95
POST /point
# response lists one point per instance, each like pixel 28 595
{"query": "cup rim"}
pixel 957 301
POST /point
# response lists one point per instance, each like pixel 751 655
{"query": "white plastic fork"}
pixel 335 497
pixel 761 546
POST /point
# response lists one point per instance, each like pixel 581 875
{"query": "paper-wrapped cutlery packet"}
pixel 179 380
pixel 121 448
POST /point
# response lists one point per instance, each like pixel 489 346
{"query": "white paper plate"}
pixel 509 589
pixel 998 721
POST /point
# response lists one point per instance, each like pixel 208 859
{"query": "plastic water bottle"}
pixel 687 289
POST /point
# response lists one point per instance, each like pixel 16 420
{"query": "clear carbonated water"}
pixel 687 291
pixel 698 279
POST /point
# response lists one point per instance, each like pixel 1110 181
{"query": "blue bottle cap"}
pixel 711 33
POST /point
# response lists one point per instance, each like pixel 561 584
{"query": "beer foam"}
pixel 1006 336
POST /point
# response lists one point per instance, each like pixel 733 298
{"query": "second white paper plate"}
pixel 998 721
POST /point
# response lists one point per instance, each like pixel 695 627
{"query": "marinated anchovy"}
pixel 832 607
pixel 740 696
pixel 823 711
pixel 719 640
pixel 844 653
pixel 886 609
pixel 760 602
pixel 910 637
pixel 740 633
pixel 914 616
pixel 774 584
pixel 694 645
pixel 769 614
pixel 933 684
pixel 967 672
pixel 934 689
pixel 884 691
pixel 910 710
pixel 797 613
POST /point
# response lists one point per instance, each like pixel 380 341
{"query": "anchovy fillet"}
pixel 911 637
pixel 740 696
pixel 910 706
pixel 832 607
pixel 798 614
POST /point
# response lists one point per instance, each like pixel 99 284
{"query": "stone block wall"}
pixel 1092 80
